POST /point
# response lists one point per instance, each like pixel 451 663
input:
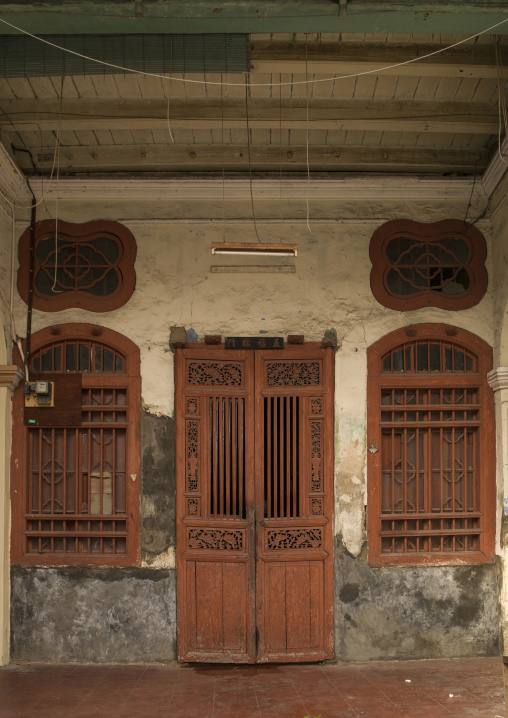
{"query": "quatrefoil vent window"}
pixel 90 266
pixel 415 265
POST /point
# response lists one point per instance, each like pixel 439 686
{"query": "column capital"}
pixel 10 376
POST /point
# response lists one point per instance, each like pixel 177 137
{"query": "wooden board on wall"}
pixel 67 403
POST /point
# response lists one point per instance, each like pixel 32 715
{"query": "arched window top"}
pixel 87 266
pixel 421 349
pixel 84 348
pixel 429 356
pixel 440 264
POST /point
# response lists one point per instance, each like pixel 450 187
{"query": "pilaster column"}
pixel 10 376
pixel 498 380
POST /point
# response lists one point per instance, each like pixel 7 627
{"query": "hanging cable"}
pixel 53 288
pixel 307 135
pixel 248 154
pixel 265 84
pixel 501 99
pixel 222 159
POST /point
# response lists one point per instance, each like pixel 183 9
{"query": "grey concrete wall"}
pixel 84 614
pixel 401 613
pixel 157 489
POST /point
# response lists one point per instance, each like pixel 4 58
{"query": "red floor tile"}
pixel 374 690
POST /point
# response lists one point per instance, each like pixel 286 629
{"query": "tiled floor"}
pixel 415 689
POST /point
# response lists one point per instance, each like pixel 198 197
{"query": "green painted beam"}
pixel 253 16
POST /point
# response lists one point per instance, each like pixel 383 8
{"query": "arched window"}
pixel 75 471
pixel 431 473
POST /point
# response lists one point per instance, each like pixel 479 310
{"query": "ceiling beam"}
pixel 260 16
pixel 232 158
pixel 401 116
pixel 350 58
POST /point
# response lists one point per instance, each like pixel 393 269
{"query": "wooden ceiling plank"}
pixel 354 137
pixel 202 137
pixel 364 88
pixel 43 88
pixel 84 86
pixel 150 87
pixel 104 137
pixel 20 88
pixel 68 138
pixel 344 88
pixel 105 86
pixel 406 88
pixel 385 87
pixel 426 88
pixel 391 138
pixel 213 91
pixel 447 88
pixel 235 85
pixel 372 139
pixel 87 137
pixel 122 136
pixel 486 91
pixel 142 137
pixel 196 89
pixel 481 141
pixel 128 86
pixel 466 90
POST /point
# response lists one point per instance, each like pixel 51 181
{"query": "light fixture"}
pixel 255 248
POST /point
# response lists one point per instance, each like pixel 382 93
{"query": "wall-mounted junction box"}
pixel 40 393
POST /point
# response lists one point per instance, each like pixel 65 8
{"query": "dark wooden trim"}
pixel 132 380
pixel 80 232
pixel 375 380
pixel 434 231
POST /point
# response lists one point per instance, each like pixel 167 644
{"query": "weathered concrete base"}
pixel 84 614
pixel 414 612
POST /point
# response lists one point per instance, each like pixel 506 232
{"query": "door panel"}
pixel 294 571
pixel 215 480
pixel 254 481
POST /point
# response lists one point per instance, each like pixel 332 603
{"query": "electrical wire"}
pixel 264 84
pixel 307 137
pixel 248 153
pixel 501 98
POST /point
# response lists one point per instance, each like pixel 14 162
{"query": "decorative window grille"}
pixel 416 265
pixel 90 266
pixel 79 502
pixel 432 478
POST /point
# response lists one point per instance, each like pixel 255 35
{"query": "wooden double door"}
pixel 255 503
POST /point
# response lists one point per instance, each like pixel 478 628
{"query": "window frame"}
pixel 131 380
pixel 78 232
pixel 376 381
pixel 431 232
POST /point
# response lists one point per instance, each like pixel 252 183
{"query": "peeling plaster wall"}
pixel 329 290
